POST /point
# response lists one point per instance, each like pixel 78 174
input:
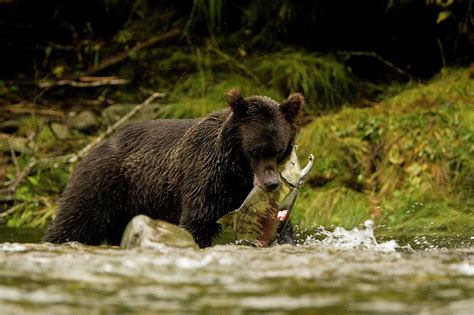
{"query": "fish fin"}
pixel 228 219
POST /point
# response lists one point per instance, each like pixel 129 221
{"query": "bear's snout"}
pixel 266 175
pixel 271 184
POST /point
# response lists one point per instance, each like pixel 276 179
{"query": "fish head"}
pixel 290 168
pixel 291 171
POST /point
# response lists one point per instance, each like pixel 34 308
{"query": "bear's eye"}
pixel 256 152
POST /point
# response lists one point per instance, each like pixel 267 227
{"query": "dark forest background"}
pixel 417 36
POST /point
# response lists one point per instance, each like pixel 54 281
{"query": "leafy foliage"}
pixel 36 199
pixel 407 161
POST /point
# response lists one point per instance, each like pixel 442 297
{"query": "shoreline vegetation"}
pixel 405 161
pixel 395 147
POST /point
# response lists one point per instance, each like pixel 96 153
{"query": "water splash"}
pixel 12 247
pixel 435 242
pixel 464 268
pixel 341 238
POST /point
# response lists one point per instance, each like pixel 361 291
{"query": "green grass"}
pixel 325 82
pixel 198 72
pixel 209 11
pixel 328 206
pixel 190 99
pixel 412 151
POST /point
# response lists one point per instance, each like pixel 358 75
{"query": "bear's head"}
pixel 267 132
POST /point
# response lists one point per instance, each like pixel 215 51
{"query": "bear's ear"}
pixel 292 105
pixel 237 102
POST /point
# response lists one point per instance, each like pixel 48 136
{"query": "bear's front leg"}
pixel 203 230
pixel 287 235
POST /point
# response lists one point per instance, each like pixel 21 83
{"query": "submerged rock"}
pixel 145 232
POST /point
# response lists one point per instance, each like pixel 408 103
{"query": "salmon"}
pixel 263 214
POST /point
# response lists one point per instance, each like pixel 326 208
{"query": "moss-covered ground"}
pixel 406 162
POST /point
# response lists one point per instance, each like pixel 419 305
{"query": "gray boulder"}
pixel 144 232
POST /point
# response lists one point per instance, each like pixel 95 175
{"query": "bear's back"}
pixel 160 134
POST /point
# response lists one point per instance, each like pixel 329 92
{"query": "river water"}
pixel 329 272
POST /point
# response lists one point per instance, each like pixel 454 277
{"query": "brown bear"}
pixel 188 172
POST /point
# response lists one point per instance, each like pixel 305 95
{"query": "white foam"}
pixel 465 268
pixel 12 247
pixel 341 238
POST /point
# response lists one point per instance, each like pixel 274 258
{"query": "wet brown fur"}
pixel 185 171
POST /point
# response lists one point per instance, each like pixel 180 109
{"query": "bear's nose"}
pixel 271 185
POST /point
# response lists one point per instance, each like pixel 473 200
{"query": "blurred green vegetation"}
pixel 406 161
pixel 388 144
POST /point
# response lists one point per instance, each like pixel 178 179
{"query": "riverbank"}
pixel 405 161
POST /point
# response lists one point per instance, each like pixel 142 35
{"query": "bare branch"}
pixel 111 61
pixel 23 108
pixel 7 212
pixel 15 160
pixel 238 64
pixel 74 157
pixel 379 58
pixel 23 174
pixel 114 127
pixel 47 84
pixel 120 57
